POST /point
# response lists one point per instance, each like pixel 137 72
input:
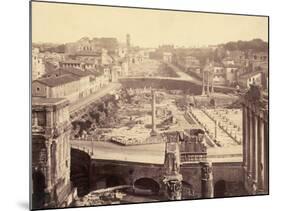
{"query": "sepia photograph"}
pixel 136 105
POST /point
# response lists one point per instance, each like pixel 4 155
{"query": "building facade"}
pixel 38 67
pixel 167 57
pixel 51 186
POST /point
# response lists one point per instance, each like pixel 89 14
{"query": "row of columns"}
pixel 255 145
pixel 206 89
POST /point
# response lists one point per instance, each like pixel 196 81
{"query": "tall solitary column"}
pixel 203 83
pixel 153 110
pixel 207 187
pixel 208 83
pixel 212 83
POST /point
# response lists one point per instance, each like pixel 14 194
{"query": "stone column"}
pixel 255 151
pixel 208 83
pixel 48 165
pixel 207 187
pixel 212 84
pixel 49 117
pixel 266 148
pixel 216 127
pixel 261 153
pixel 245 141
pixel 249 145
pixel 153 110
pixel 203 83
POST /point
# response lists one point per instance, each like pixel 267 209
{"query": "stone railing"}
pixel 208 138
pixel 192 157
pixel 223 127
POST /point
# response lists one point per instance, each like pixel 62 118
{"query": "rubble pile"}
pixel 93 199
pixel 125 118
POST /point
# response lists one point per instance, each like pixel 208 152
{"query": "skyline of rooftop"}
pixel 148 28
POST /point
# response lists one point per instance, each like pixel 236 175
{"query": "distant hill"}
pixel 51 47
pixel 255 45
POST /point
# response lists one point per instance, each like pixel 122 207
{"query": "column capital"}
pixel 206 170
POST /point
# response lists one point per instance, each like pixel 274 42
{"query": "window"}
pixel 38 89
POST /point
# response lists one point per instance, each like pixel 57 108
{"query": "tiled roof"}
pixel 46 101
pixel 248 75
pixel 70 62
pixel 56 81
pixel 74 71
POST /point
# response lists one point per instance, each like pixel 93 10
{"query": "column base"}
pixel 154 133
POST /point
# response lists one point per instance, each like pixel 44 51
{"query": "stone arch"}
pixel 146 186
pixel 109 180
pixel 220 188
pixel 80 170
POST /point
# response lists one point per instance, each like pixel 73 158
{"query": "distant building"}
pixel 38 66
pixel 187 63
pixel 135 58
pixel 231 74
pixel 122 51
pixel 228 61
pixel 252 78
pixel 61 86
pixel 167 57
pixel 87 45
pixel 71 83
pixel 51 186
pixel 72 64
pixel 259 61
pixel 219 77
pixel 225 75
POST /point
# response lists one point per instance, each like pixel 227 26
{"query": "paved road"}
pixel 100 93
pixel 183 75
pixel 149 153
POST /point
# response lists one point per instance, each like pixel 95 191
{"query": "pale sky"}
pixel 62 23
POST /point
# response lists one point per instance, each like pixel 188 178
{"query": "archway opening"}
pixel 38 187
pixel 220 188
pixel 113 180
pixel 146 186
